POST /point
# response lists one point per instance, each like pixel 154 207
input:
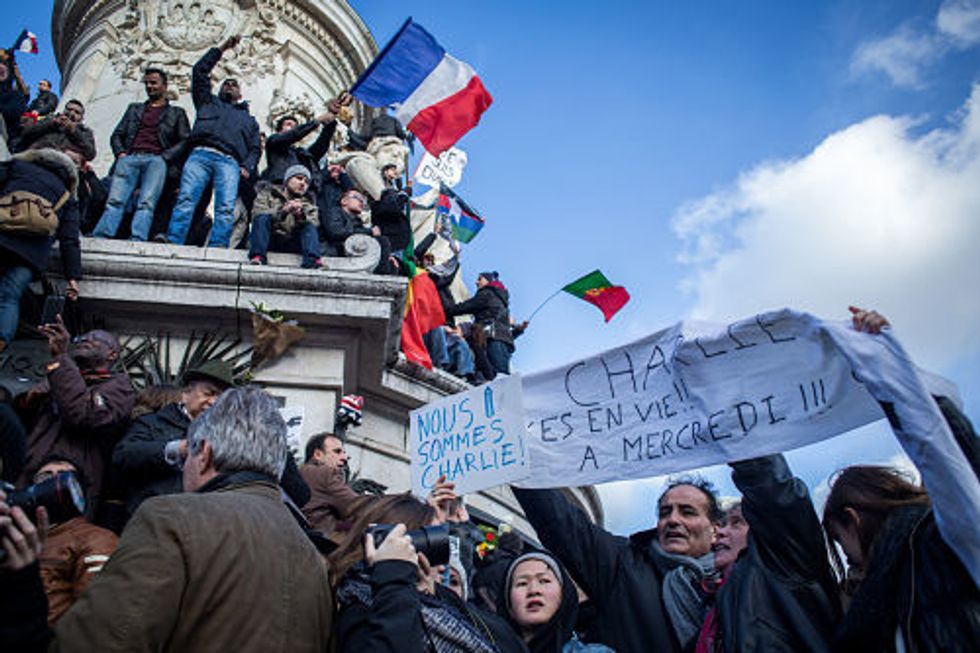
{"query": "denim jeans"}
pixel 435 343
pixel 303 240
pixel 499 354
pixel 13 282
pixel 146 171
pixel 460 356
pixel 201 167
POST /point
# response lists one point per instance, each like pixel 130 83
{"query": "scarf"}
pixel 687 583
pixel 449 629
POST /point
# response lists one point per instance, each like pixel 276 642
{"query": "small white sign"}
pixel 446 169
pixel 474 438
pixel 294 416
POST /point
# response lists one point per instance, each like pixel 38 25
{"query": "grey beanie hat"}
pixel 296 171
pixel 541 556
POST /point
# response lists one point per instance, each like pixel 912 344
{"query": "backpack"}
pixel 23 213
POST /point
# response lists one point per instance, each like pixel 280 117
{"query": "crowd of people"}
pixel 305 199
pixel 176 519
pixel 198 531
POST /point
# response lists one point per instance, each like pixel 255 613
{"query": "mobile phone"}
pixel 53 306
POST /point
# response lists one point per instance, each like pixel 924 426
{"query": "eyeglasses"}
pixel 358 197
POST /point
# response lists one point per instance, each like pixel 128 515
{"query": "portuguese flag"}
pixel 596 289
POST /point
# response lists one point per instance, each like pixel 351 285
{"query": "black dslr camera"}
pixel 433 541
pixel 61 496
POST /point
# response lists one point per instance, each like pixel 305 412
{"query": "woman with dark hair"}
pixel 909 590
pixel 541 603
pixel 388 598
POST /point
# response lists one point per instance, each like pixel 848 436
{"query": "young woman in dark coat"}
pixel 541 603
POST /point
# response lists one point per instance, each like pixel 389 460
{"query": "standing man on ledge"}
pixel 225 142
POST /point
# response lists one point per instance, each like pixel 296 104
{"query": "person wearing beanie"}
pixel 540 602
pixel 491 339
pixel 286 219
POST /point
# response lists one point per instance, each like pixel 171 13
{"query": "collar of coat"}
pixel 55 161
pixel 236 479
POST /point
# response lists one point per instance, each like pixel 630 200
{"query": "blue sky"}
pixel 718 158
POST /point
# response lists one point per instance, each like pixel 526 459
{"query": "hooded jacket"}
pixel 558 635
pixel 48 173
pixel 221 125
pixel 281 152
pixel 489 308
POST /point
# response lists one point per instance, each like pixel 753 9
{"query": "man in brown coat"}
pixel 81 410
pixel 285 219
pixel 222 567
pixel 331 498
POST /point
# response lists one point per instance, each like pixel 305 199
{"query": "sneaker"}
pixel 160 238
pixel 256 260
pixel 315 265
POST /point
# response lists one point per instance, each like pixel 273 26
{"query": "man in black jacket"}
pixel 225 139
pixel 150 455
pixel 281 151
pixel 147 141
pixel 46 101
pixel 61 132
pixel 342 221
pixel 647 589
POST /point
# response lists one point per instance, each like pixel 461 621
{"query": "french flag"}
pixel 439 98
pixel 26 42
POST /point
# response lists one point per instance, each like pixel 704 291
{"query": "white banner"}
pixel 474 438
pixel 446 169
pixel 690 396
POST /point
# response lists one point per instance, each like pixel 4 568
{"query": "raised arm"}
pixel 591 554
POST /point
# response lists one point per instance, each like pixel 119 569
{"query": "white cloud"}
pixel 960 21
pixel 875 215
pixel 906 55
pixel 902 56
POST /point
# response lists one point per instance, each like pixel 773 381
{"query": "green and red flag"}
pixel 596 289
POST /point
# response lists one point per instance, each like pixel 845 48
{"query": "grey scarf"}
pixel 683 589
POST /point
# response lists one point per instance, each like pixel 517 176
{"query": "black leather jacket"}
pixel 172 130
pixel 782 594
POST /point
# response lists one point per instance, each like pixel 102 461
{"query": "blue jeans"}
pixel 146 171
pixel 435 343
pixel 499 354
pixel 201 167
pixel 303 240
pixel 460 356
pixel 13 282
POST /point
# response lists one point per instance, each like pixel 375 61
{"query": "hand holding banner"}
pixel 474 438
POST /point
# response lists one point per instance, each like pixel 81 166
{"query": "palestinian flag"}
pixel 423 312
pixel 466 222
pixel 596 289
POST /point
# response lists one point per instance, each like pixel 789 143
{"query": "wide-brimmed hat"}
pixel 215 370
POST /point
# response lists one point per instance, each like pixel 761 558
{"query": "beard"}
pixel 89 360
pixel 227 97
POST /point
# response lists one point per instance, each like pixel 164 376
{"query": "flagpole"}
pixel 540 306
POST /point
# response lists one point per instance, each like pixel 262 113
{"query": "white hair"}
pixel 245 430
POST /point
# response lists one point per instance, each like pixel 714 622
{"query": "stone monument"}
pixel 294 57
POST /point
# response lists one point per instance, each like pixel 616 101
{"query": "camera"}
pixel 61 495
pixel 433 541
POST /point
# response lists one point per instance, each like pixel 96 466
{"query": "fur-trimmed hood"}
pixel 57 162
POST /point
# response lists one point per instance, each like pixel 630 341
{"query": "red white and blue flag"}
pixel 438 97
pixel 26 42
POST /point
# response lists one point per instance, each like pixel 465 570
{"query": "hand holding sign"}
pixel 469 441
